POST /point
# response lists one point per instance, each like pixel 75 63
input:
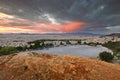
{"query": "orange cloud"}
pixel 39 27
pixel 10 23
pixel 66 27
pixel 13 30
pixel 73 26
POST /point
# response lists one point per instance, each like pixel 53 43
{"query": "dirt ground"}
pixel 33 66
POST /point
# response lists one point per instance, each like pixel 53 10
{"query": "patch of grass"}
pixel 7 50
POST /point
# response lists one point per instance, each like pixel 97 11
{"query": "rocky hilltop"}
pixel 33 66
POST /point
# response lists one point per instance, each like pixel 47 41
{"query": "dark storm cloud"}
pixel 101 12
pixel 18 24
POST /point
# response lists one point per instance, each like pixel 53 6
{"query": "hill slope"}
pixel 32 66
pixel 114 35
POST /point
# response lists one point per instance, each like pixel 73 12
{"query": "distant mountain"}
pixel 114 35
pixel 65 34
pixel 59 34
pixel 83 34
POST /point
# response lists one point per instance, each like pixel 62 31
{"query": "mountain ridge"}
pixel 114 35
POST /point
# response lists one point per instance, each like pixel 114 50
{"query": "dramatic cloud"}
pixel 96 16
pixel 15 24
pixel 3 16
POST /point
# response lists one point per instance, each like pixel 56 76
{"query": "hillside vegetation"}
pixel 33 66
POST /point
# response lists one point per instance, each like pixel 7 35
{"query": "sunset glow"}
pixel 13 24
pixel 42 28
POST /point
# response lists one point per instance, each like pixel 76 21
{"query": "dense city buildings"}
pixel 22 40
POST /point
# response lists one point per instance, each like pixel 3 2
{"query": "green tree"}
pixel 7 50
pixel 79 42
pixel 19 48
pixel 61 43
pixel 48 45
pixel 118 55
pixel 85 43
pixel 0 47
pixel 106 56
pixel 37 44
pixel 68 42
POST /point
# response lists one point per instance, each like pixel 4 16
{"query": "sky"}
pixel 60 16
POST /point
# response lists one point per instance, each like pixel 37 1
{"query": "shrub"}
pixel 118 55
pixel 7 50
pixel 106 56
pixel 79 42
pixel 61 43
pixel 19 48
pixel 68 42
